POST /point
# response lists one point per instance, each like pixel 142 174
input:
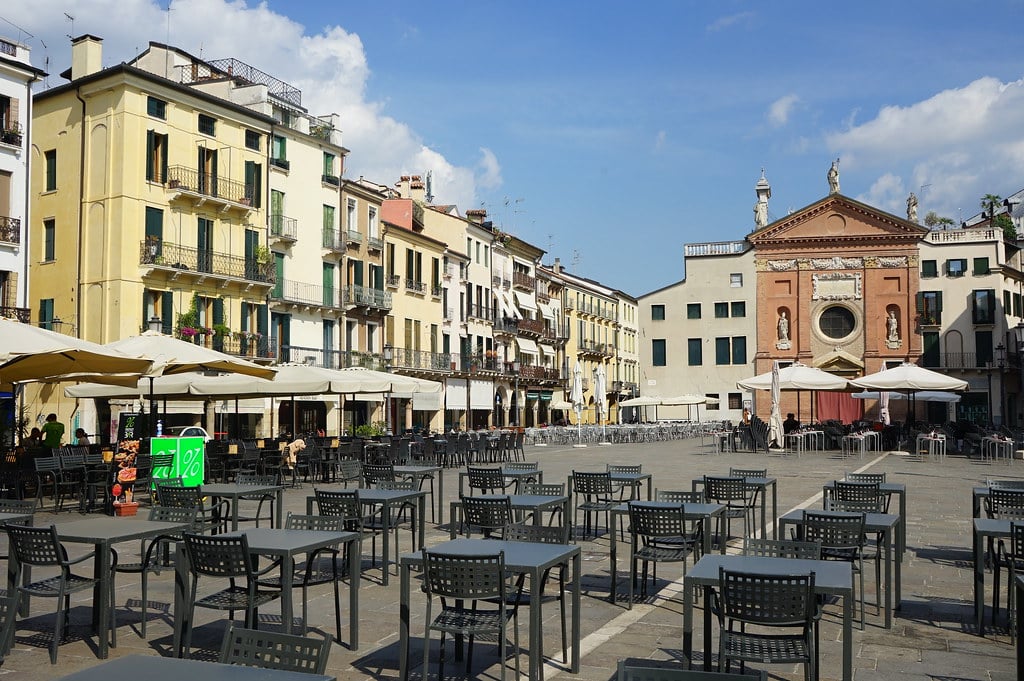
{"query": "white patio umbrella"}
pixel 923 395
pixel 600 392
pixel 562 405
pixel 576 397
pixel 775 429
pixel 688 400
pixel 909 378
pixel 796 376
pixel 643 401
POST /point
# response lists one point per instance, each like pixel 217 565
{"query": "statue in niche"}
pixel 760 214
pixel 833 178
pixel 783 327
pixel 912 207
pixel 892 330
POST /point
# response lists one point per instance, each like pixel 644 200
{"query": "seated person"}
pixel 790 424
pixel 81 438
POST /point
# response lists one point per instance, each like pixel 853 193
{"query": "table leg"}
pixel 385 543
pixel 453 525
pixel 902 546
pixel 888 579
pixel 613 554
pixel 101 607
pixel 577 568
pixel 848 633
pixel 422 521
pixel 898 569
pixel 181 621
pixel 440 496
pixel 688 621
pixel 280 508
pixel 764 513
pixel 287 580
pixel 536 633
pixel 403 623
pixel 707 628
pixel 234 513
pixel 979 584
pixel 775 502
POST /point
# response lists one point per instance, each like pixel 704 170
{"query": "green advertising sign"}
pixel 189 459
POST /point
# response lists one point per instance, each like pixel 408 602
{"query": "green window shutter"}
pixel 938 301
pixel 357 272
pixel 739 350
pixel 261 320
pixel 919 302
pixel 722 354
pixel 163 159
pixel 243 317
pixel 218 310
pixel 150 141
pixel 250 181
pixel 328 276
pixel 154 224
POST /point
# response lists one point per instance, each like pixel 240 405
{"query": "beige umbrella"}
pixel 29 353
pixel 171 355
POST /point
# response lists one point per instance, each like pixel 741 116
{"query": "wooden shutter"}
pixel 150 144
pixel 167 310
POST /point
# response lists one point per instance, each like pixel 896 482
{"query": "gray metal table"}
pixel 388 499
pixel 103 532
pixel 831 577
pixel 702 512
pixel 284 544
pixel 885 523
pixel 537 503
pixel 762 485
pixel 234 492
pixel 984 529
pixel 421 472
pixel 154 668
pixel 527 558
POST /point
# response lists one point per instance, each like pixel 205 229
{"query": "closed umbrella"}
pixel 576 397
pixel 600 391
pixel 775 429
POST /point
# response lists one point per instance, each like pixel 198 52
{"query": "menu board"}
pixel 132 426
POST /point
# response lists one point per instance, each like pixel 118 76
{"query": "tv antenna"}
pixel 68 17
pixel 575 259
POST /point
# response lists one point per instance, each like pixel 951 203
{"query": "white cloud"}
pixel 951 148
pixel 781 108
pixel 725 22
pixel 330 67
pixel 489 176
pixel 659 140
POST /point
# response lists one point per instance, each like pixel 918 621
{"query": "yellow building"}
pixel 148 198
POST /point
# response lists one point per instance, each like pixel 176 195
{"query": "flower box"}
pixel 123 508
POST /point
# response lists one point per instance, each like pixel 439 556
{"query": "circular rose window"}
pixel 837 322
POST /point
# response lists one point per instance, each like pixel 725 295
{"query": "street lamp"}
pixel 388 354
pixel 1001 361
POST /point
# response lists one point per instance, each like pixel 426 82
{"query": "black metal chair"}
pixel 766 618
pixel 261 499
pixel 486 480
pixel 149 553
pixel 47 472
pixel 272 650
pixel 781 548
pixel 594 494
pixel 737 496
pixel 319 567
pixel 373 473
pixel 659 534
pixel 491 514
pixel 620 488
pixel 226 558
pixel 546 489
pixel 526 467
pixel 349 470
pixel 479 580
pixel 39 547
pixel 842 538
pixel 632 672
pixel 212 518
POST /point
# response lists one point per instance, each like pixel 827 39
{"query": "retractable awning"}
pixel 526 301
pixel 528 346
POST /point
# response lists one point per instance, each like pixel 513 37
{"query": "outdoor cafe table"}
pixel 286 545
pixel 420 472
pixel 889 489
pixel 513 474
pixel 388 500
pixel 528 558
pixel 102 532
pixel 833 578
pixel 996 447
pixel 537 503
pixel 762 485
pixel 701 512
pixel 154 668
pixel 886 523
pixel 631 480
pixel 984 529
pixel 234 492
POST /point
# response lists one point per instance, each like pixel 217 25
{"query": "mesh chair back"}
pixel 522 466
pixel 541 534
pixel 464 577
pixel 748 472
pixel 856 497
pixel 179 497
pixel 340 504
pixel 488 513
pixel 26 506
pixel 840 535
pixel 250 478
pixel 781 548
pixel 321 523
pixel 624 469
pixel 272 650
pixel 592 484
pixel 487 480
pixel 170 514
pixel 769 600
pixel 1005 484
pixel 350 469
pixel 36 545
pixel 651 521
pixel 544 489
pixel 402 485
pixel 1005 503
pixel 46 464
pixel 219 556
pixel 680 496
pixel 865 477
pixel 375 473
pixel 728 490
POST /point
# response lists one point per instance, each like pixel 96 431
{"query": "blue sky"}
pixel 612 134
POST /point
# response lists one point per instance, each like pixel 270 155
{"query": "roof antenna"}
pixel 68 17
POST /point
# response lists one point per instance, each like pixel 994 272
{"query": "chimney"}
pixel 557 267
pixel 86 56
pixel 403 186
pixel 417 190
pixel 476 215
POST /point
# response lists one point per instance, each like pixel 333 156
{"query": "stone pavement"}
pixel 932 635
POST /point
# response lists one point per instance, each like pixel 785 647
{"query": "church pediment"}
pixel 840 362
pixel 837 218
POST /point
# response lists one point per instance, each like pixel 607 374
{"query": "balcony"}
pixel 333 241
pixel 10 230
pixel 524 281
pixel 436 290
pixel 12 137
pixel 284 228
pixel 281 163
pixel 954 360
pixel 536 373
pixel 531 327
pixel 474 362
pixel 415 286
pixel 179 261
pixel 375 244
pixel 479 312
pixel 203 188
pixel 419 360
pixel 332 180
pixel 543 298
pixel 393 280
pixel 22 314
pixel 449 314
pixel 353 237
pixel 713 248
pixel 591 347
pixel 333 359
pixel 252 346
pixel 363 296
pixel 506 326
pixel 305 294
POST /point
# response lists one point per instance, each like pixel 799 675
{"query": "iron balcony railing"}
pixel 240 71
pixel 506 325
pixel 8 48
pixel 175 257
pixel 403 358
pixel 10 230
pixel 475 362
pixel 333 180
pixel 415 286
pixel 332 240
pixel 12 137
pixel 364 296
pixel 353 236
pixel 333 359
pixel 955 360
pixel 393 280
pixel 374 243
pixel 291 291
pixel 532 326
pixel 436 290
pixel 480 312
pixel 536 373
pixel 22 314
pixel 284 227
pixel 523 280
pixel 209 184
pixel 251 345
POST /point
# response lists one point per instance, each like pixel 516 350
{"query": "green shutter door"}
pixel 357 272
pixel 218 319
pixel 149 155
pixel 328 277
pixel 167 311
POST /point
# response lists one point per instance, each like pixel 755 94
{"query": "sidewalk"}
pixel 932 635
